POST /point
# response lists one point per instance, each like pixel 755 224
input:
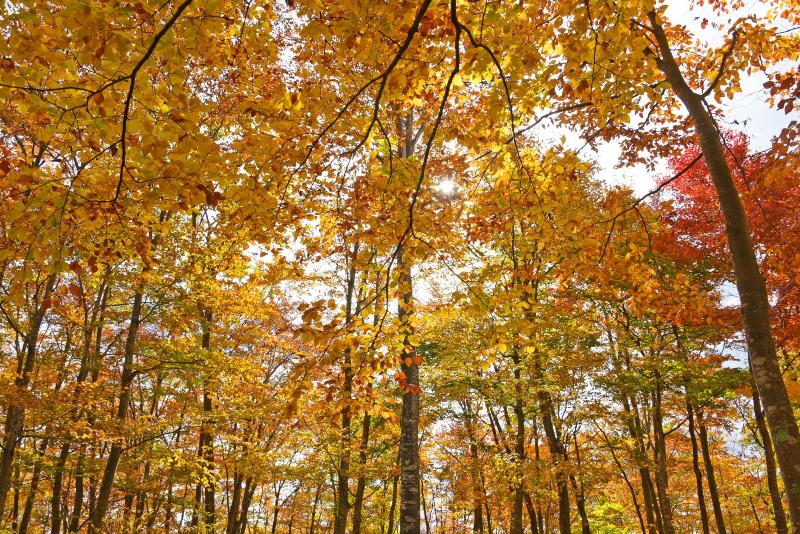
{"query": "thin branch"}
pixel 725 56
pixel 634 205
pixel 132 86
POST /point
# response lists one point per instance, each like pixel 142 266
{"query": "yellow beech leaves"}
pixel 264 265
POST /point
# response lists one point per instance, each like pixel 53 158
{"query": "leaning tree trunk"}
pixel 749 281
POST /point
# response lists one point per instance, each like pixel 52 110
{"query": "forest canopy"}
pixel 355 267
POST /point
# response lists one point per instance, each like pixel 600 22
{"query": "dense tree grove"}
pixel 352 267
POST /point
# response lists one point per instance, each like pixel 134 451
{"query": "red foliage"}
pixel 695 226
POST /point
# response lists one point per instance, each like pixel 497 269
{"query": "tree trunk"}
pixel 141 501
pixel 474 462
pixel 361 485
pixel 75 517
pixel 534 523
pixel 710 478
pixel 554 445
pixel 636 433
pixel 314 510
pixel 55 495
pixel 249 491
pixel 197 505
pixel 15 415
pixel 749 281
pixel 15 499
pixel 519 448
pixel 207 435
pixel 276 509
pixel 698 476
pixel 409 421
pixel 393 505
pixel 660 451
pixel 424 506
pixel 781 526
pixel 580 497
pixel 631 489
pixel 236 499
pixel 34 487
pixel 343 469
pixel 104 495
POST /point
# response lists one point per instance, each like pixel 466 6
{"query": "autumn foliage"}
pixel 355 267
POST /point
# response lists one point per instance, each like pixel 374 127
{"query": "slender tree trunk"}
pixel 474 462
pixel 393 505
pixel 207 434
pixel 343 469
pixel 652 508
pixel 555 447
pixel 168 512
pixel 236 499
pixel 55 495
pixel 90 365
pixel 314 510
pixel 710 478
pixel 34 487
pixel 197 505
pixel 580 496
pixel 749 281
pixel 755 514
pixel 698 476
pixel 75 517
pixel 532 519
pixel 424 506
pixel 114 455
pixel 358 503
pixel 519 448
pixel 648 494
pixel 635 429
pixel 537 460
pixel 631 489
pixel 141 500
pixel 127 505
pixel 15 414
pixel 660 451
pixel 781 526
pixel 15 499
pixel 276 509
pixel 580 504
pixel 489 528
pixel 409 422
pixel 249 491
